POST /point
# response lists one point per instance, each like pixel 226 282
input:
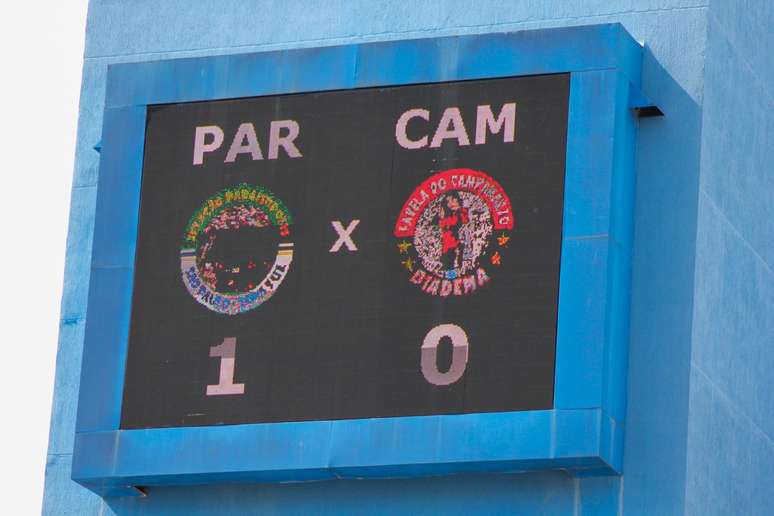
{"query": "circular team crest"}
pixel 236 249
pixel 451 230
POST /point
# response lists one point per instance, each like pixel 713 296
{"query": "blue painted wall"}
pixel 730 459
pixel 698 438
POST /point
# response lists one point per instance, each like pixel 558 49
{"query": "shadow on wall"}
pixel 536 493
pixel 666 205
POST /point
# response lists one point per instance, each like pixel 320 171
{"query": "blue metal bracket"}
pixel 641 105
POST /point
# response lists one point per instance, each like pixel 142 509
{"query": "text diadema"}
pixel 451 230
pixel 236 249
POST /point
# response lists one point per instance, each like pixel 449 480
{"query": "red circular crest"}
pixel 452 229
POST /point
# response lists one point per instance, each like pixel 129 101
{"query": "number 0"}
pixel 429 360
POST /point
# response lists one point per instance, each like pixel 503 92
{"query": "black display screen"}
pixel 349 254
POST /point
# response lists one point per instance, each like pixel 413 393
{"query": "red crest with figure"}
pixel 452 230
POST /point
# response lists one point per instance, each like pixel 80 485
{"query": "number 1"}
pixel 227 353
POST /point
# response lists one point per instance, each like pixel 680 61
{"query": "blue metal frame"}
pixel 584 431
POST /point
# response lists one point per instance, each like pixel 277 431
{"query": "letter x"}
pixel 344 235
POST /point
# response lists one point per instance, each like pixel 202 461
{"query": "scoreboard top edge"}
pixel 385 63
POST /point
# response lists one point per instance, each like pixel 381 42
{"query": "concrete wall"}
pixel 730 427
pixel 668 164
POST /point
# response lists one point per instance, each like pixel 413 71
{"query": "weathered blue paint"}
pixel 716 314
pixel 584 432
pixel 730 423
pixel 319 450
pixel 416 61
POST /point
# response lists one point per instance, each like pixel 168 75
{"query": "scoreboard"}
pixel 375 260
pixel 349 254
